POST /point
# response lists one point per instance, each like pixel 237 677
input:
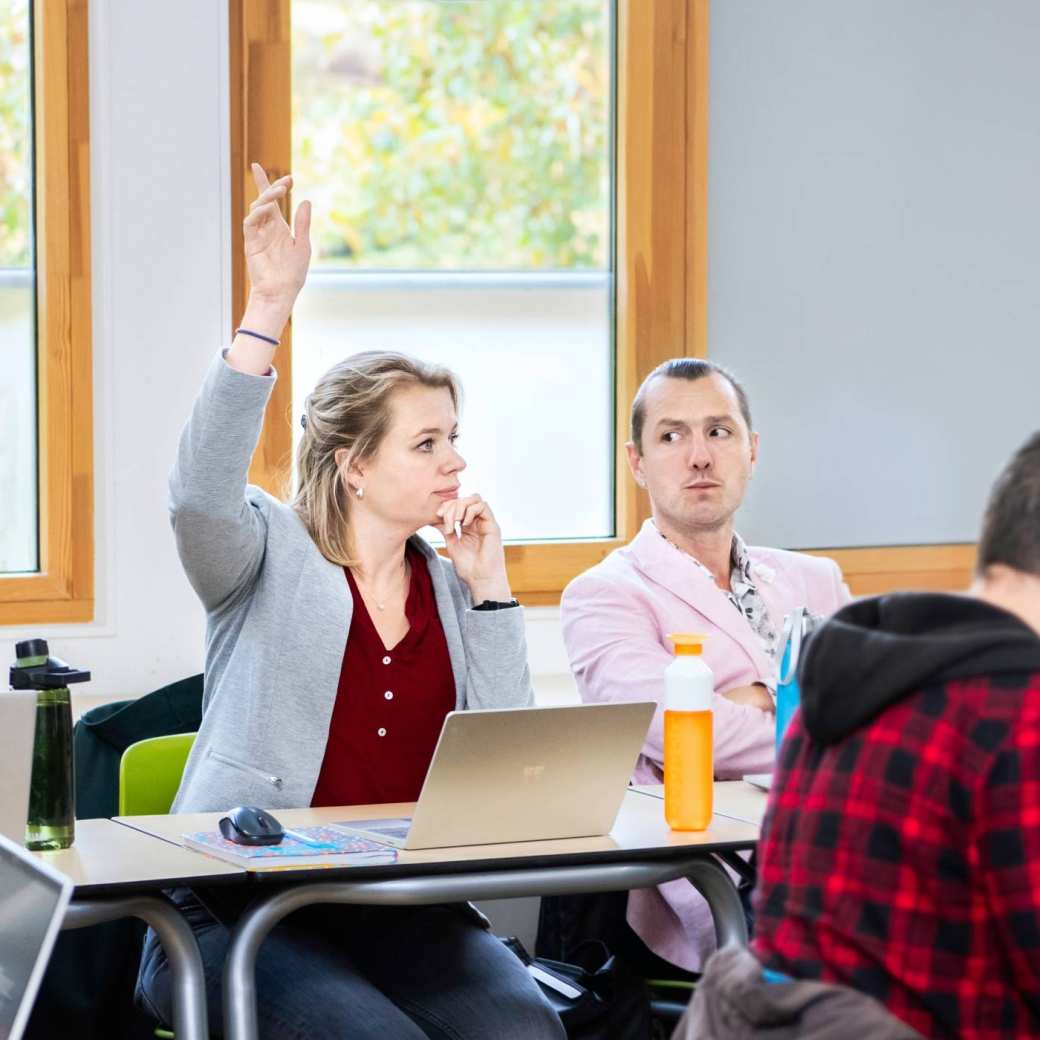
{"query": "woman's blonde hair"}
pixel 350 409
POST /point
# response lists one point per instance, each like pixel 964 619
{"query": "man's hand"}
pixel 756 695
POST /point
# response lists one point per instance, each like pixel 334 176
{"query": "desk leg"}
pixel 721 896
pixel 240 1013
pixel 253 927
pixel 178 942
pixel 743 868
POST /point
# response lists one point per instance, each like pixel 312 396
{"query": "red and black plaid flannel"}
pixel 904 860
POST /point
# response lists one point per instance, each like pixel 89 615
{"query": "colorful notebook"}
pixel 331 849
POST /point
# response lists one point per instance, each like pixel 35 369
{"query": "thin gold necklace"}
pixel 382 606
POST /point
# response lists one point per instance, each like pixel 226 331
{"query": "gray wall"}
pixel 874 241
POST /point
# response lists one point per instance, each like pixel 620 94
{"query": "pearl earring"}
pixel 360 492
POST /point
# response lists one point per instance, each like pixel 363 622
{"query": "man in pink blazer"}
pixel 694 449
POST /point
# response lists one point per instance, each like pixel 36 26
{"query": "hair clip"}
pixel 303 420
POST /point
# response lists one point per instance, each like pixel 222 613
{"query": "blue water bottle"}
pixel 797 625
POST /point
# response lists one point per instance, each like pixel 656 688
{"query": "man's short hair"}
pixel 1011 526
pixel 684 368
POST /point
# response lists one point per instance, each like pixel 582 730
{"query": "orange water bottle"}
pixel 688 732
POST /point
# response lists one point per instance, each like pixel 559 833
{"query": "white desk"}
pixel 733 799
pixel 119 872
pixel 640 851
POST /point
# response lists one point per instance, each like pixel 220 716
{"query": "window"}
pixel 46 454
pixel 506 186
pixel 459 160
pixel 19 549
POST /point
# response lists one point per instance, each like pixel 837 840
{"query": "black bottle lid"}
pixel 31 648
pixel 52 674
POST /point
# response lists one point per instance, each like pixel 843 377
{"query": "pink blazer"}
pixel 616 617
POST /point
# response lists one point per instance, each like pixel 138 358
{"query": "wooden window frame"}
pixel 872 570
pixel 62 590
pixel 662 172
pixel 662 261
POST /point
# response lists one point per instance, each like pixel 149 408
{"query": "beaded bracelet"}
pixel 257 335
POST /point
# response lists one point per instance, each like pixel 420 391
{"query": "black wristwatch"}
pixel 490 604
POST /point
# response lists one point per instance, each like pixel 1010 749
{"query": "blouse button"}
pixel 386 660
pixel 381 731
pixel 389 695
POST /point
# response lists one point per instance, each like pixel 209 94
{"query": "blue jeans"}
pixel 330 970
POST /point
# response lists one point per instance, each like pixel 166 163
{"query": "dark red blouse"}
pixel 390 704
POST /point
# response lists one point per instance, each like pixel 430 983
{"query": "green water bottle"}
pixel 52 807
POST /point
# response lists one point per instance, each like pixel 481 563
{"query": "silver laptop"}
pixel 33 898
pixel 521 774
pixel 18 725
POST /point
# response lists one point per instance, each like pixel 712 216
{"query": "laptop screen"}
pixel 32 904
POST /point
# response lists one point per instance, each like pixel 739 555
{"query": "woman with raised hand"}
pixel 337 641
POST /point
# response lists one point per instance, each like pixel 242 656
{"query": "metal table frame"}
pixel 701 870
pixel 178 943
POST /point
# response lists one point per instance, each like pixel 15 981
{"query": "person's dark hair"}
pixel 684 368
pixel 1011 525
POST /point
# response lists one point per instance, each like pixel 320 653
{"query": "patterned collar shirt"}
pixel 743 593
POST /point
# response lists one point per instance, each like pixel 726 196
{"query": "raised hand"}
pixel 277 261
pixel 474 543
pixel 276 257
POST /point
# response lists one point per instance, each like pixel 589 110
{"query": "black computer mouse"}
pixel 249 825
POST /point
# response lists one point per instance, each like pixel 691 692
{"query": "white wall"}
pixel 161 265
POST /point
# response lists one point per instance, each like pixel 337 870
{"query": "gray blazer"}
pixel 278 614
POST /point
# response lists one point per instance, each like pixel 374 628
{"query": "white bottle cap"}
pixel 689 683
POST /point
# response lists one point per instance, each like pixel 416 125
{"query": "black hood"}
pixel 877 651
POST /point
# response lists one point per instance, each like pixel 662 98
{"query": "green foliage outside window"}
pixel 429 134
pixel 15 136
pixel 454 135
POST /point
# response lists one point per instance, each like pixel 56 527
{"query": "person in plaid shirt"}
pixel 901 848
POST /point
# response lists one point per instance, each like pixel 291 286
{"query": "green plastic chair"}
pixel 150 773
